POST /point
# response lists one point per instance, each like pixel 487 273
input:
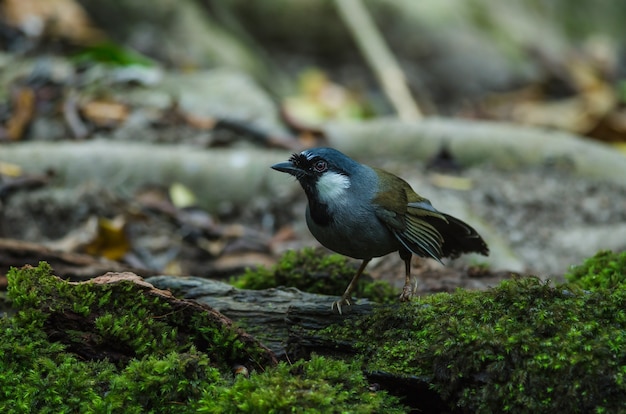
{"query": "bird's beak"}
pixel 287 167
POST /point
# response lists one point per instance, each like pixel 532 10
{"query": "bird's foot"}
pixel 338 304
pixel 407 293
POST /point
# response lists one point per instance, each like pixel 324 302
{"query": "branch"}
pixel 379 58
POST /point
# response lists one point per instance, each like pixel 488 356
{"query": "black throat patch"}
pixel 319 212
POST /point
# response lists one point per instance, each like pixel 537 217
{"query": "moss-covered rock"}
pixel 605 270
pixel 123 347
pixel 523 346
pixel 314 271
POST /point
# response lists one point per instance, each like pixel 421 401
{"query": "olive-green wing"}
pixel 419 227
pixel 410 218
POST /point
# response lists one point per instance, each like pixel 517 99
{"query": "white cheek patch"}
pixel 331 186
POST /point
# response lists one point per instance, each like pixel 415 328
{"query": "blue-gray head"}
pixel 324 173
pixel 316 161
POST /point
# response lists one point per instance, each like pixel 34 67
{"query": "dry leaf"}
pixel 23 112
pixel 105 113
pixel 319 99
pixel 611 128
pixel 199 122
pixel 111 241
pixel 58 18
pixel 182 196
pixel 10 170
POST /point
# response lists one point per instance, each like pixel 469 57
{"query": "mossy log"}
pixel 289 322
pixel 117 344
pixel 523 346
pixel 119 316
pixel 278 317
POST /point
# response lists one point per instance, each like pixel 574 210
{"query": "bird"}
pixel 365 212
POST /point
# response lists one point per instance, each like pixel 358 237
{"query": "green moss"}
pixel 523 346
pixel 37 376
pixel 173 370
pixel 314 271
pixel 41 376
pixel 122 320
pixel 321 385
pixel 605 270
pixel 169 384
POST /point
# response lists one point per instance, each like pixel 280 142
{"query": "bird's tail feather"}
pixel 430 233
pixel 459 237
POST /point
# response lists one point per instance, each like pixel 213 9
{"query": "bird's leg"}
pixel 346 297
pixel 407 290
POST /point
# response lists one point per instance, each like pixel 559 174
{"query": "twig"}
pixel 379 57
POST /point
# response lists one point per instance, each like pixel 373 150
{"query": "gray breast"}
pixel 355 230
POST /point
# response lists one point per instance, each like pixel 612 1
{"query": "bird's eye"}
pixel 320 166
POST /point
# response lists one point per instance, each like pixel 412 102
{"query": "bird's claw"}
pixel 339 303
pixel 407 293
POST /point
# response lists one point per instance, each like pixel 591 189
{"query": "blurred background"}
pixel 138 135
